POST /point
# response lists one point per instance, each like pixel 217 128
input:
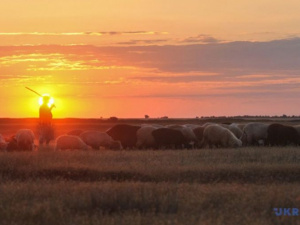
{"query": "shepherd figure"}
pixel 46 131
pixel 45 110
pixel 45 127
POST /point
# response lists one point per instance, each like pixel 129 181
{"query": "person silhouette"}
pixel 45 111
pixel 46 131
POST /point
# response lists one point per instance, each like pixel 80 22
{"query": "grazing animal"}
pixel 198 131
pixel 169 138
pixel 76 132
pixel 145 138
pixel 297 127
pixel 25 139
pixel 215 135
pixel 71 142
pixel 190 137
pixel 12 144
pixel 124 133
pixel 279 134
pixel 235 130
pixel 97 139
pixel 238 125
pixel 255 133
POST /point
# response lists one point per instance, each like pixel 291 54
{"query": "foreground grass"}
pixel 220 186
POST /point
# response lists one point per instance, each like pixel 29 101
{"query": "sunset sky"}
pixel 161 58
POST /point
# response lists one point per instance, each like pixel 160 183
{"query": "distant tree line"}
pixel 251 116
pixel 115 119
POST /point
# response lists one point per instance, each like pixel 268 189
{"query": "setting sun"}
pixel 51 101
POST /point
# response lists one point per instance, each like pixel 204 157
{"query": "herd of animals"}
pixel 155 136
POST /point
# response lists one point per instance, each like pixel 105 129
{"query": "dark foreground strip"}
pixel 290 175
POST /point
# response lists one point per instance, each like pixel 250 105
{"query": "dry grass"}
pixel 247 165
pixel 220 186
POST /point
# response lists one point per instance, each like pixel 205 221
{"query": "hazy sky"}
pixel 131 58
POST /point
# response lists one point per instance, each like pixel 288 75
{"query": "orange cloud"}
pixel 82 33
pixel 89 81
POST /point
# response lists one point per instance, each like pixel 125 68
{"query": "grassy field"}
pixel 219 186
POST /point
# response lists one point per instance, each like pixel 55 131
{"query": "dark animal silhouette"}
pixel 169 138
pixel 124 133
pixel 12 144
pixel 279 134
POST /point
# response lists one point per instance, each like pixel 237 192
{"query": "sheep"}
pixel 188 134
pixel 75 132
pixel 25 139
pixel 279 134
pixel 166 137
pixel 124 133
pixel 145 138
pixel 97 139
pixel 238 125
pixel 71 142
pixel 234 129
pixel 215 135
pixel 297 127
pixel 255 133
pixel 198 131
pixel 12 144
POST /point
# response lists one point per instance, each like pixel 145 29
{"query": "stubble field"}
pixel 204 186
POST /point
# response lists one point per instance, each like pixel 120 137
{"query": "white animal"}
pixel 71 142
pixel 215 135
pixel 97 139
pixel 25 139
pixel 145 138
pixel 255 133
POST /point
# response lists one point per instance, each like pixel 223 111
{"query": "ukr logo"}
pixel 286 211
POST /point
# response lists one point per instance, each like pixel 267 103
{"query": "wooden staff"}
pixel 34 91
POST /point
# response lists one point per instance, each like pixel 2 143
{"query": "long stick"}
pixel 33 91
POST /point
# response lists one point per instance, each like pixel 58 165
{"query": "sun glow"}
pixel 51 101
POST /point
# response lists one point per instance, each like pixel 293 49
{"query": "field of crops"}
pixel 206 186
